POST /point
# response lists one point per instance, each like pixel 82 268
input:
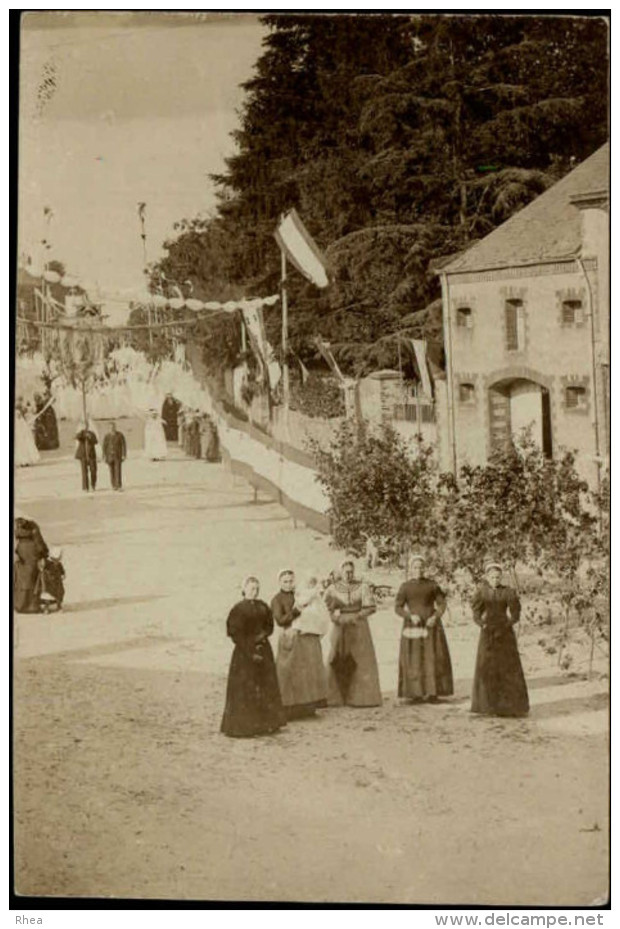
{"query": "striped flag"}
pixel 325 350
pixel 301 249
pixel 252 311
pixel 419 349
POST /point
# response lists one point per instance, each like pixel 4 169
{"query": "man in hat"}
pixel 115 452
pixel 86 454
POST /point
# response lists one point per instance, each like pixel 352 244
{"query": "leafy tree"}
pixel 377 489
pixel 399 138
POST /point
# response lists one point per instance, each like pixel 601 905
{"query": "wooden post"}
pixel 84 411
pixel 285 371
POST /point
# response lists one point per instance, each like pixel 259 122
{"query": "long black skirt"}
pixel 253 702
pixel 499 684
pixel 424 666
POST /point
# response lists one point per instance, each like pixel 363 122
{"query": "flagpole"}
pixel 285 371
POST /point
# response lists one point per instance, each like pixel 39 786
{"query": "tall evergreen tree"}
pixel 398 138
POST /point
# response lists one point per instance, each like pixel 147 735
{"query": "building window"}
pixel 575 398
pixel 467 393
pixel 464 317
pixel 515 331
pixel 572 312
pixel 412 412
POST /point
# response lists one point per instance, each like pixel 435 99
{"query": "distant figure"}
pixel 52 582
pixel 30 554
pixel 26 452
pixel 86 454
pixel 115 452
pixel 182 421
pixel 212 441
pixel 170 416
pixel 155 447
pixel 46 425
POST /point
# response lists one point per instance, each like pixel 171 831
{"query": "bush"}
pixel 376 488
pixel 319 396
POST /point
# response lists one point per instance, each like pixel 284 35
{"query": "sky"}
pixel 142 111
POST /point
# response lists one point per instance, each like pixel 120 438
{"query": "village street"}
pixel 123 786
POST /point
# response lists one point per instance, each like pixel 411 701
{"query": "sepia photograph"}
pixel 311 459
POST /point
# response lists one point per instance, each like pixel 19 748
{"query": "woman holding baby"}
pixel 303 619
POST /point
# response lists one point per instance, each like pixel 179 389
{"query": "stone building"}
pixel 526 327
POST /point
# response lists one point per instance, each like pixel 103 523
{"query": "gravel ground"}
pixel 123 786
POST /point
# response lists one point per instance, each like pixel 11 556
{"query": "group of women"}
pixel 197 434
pixel 263 694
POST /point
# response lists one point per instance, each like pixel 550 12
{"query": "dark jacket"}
pixel 114 447
pixel 491 606
pixel 423 597
pixel 85 450
pixel 283 608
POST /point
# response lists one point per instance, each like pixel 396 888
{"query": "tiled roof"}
pixel 547 229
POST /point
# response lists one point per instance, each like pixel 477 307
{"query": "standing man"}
pixel 115 452
pixel 86 453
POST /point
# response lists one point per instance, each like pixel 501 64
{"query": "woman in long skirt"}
pixel 352 672
pixel 499 684
pixel 253 702
pixel 301 675
pixel 30 554
pixel 424 666
pixel 155 447
pixel 26 452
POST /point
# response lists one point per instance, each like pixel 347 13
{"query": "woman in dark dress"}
pixel 424 666
pixel 30 554
pixel 253 702
pixel 499 685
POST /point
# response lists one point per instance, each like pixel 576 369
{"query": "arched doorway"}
pixel 516 404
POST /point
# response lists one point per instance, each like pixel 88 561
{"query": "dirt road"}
pixel 125 788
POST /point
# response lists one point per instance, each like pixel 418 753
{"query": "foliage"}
pixel 377 489
pixel 159 344
pixel 399 139
pixel 319 396
pixel 530 513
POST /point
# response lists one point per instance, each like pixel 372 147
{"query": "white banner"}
pixel 299 246
pixel 253 318
pixel 419 347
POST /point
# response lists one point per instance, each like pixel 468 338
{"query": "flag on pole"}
pixel 326 352
pixel 419 350
pixel 305 374
pixel 299 246
pixel 253 317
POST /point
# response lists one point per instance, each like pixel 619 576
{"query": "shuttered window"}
pixel 514 324
pixel 572 312
pixel 575 397
pixel 467 393
pixel 464 317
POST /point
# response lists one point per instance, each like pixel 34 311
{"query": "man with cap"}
pixel 424 666
pixel 86 454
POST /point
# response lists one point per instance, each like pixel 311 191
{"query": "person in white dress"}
pixel 26 452
pixel 155 447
